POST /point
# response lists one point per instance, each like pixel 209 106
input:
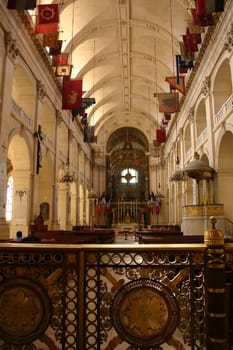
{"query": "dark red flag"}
pixel 72 93
pixel 205 7
pixel 50 39
pixel 47 18
pixel 161 135
pixel 60 60
pixel 191 41
pixel 47 14
pixel 56 50
pixel 202 19
pixel 168 102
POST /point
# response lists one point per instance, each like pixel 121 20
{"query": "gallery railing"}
pixel 102 297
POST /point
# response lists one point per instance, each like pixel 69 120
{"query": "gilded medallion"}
pixel 145 313
pixel 24 311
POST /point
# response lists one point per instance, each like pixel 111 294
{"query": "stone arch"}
pixel 187 141
pixel 200 119
pixel 81 204
pixel 24 89
pixel 222 85
pixel 20 170
pixel 224 181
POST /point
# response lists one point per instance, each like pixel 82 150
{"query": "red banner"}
pixel 177 84
pixel 60 60
pixel 56 49
pixel 168 102
pixel 46 28
pixel 47 18
pixel 72 93
pixel 161 135
pixel 205 7
pixel 50 39
pixel 47 14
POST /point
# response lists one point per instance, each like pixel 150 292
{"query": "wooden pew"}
pixel 76 237
pixel 170 239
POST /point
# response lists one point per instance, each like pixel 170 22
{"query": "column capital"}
pixel 228 45
pixel 205 89
pixel 11 46
pixel 59 118
pixel 191 115
pixel 41 90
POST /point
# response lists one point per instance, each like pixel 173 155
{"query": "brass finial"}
pixel 213 236
pixel 213 221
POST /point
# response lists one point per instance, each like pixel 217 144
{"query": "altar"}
pixel 120 227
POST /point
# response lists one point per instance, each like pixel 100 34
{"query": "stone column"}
pixel 84 193
pixel 10 55
pixel 78 189
pixel 38 135
pixel 55 222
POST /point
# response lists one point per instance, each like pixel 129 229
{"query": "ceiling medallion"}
pixel 145 313
pixel 25 311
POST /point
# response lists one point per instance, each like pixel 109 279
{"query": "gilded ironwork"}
pixel 145 313
pixel 90 291
pixel 24 311
pixel 106 276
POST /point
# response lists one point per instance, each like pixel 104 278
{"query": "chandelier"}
pixel 179 174
pixel 67 176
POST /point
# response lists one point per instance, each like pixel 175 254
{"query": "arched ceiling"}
pixel 123 50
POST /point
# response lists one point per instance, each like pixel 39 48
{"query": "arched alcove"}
pixel 224 188
pixel 200 119
pixel 24 90
pixel 127 165
pixel 222 88
pixel 19 169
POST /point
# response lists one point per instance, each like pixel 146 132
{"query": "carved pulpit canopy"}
pixel 199 169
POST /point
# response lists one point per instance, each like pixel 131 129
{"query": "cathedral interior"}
pixel 116 138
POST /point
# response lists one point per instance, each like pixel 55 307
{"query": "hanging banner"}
pixel 47 18
pixel 72 93
pixel 168 102
pixel 88 134
pixel 61 59
pixel 191 41
pixel 161 135
pixel 63 71
pixel 50 39
pixel 56 49
pixel 205 7
pixel 177 83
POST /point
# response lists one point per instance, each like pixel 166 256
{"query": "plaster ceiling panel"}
pixel 123 50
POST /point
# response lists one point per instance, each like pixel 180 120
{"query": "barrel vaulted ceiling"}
pixel 123 50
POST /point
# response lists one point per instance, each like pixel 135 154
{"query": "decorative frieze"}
pixel 205 89
pixel 228 45
pixel 59 118
pixel 41 90
pixel 191 115
pixel 11 46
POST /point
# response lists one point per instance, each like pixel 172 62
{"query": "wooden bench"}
pixel 170 239
pixel 157 234
pixel 76 237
